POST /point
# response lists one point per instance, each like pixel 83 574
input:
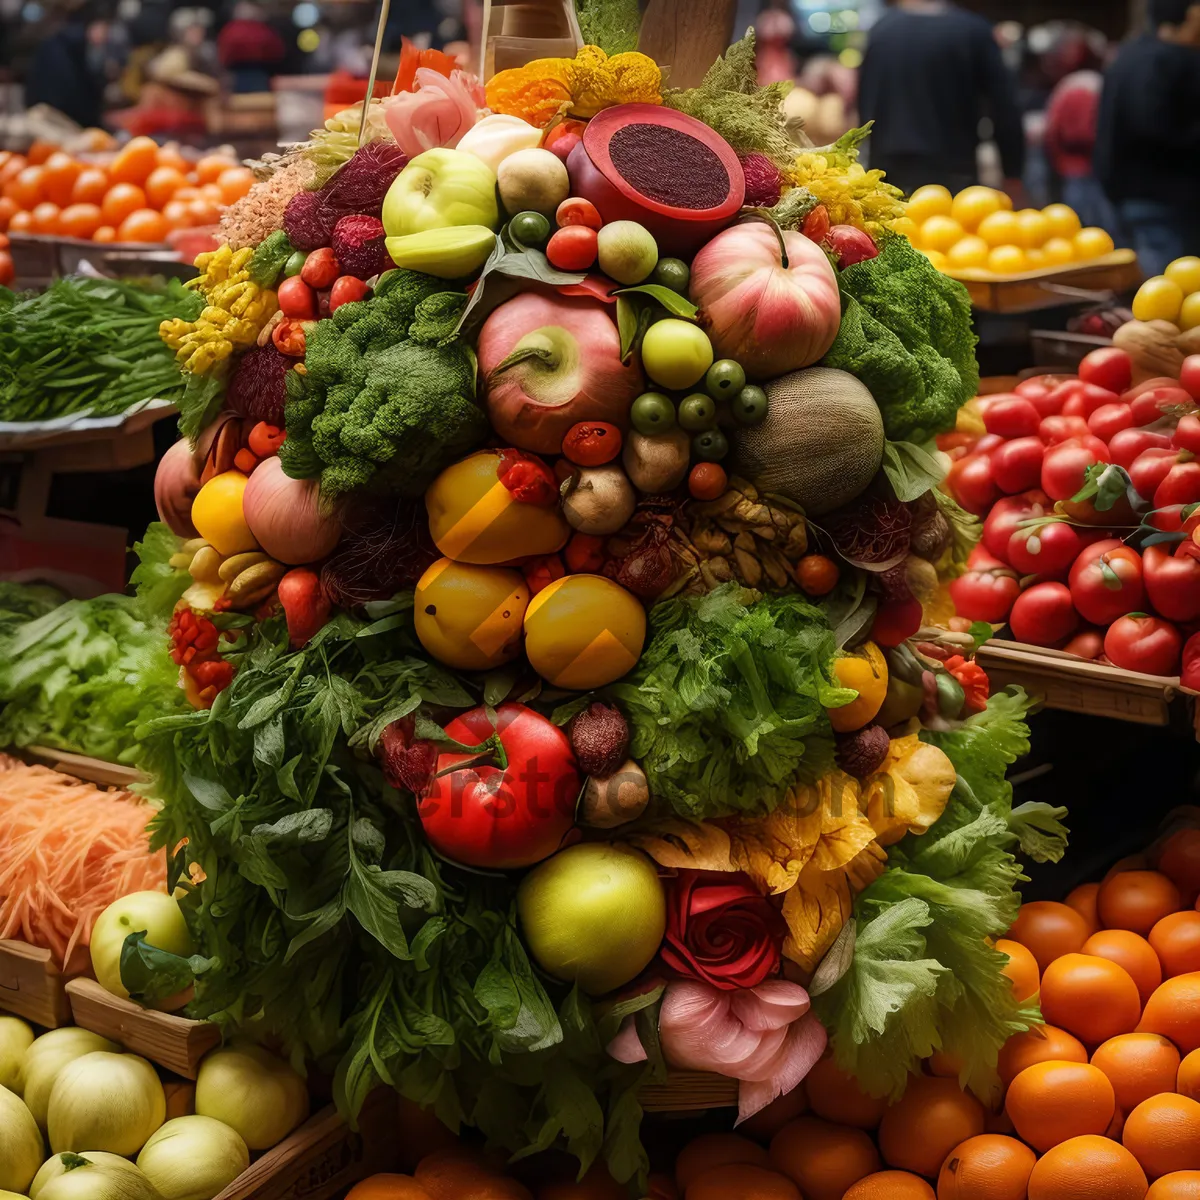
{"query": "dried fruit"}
pixel 864 751
pixel 600 739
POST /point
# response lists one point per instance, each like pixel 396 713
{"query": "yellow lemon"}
pixel 906 227
pixel 939 233
pixel 1064 220
pixel 470 617
pixel 1035 229
pixel 1001 229
pixel 1092 243
pixel 969 252
pixel 933 200
pixel 1007 260
pixel 1059 251
pixel 1035 257
pixel 1186 273
pixel 1005 201
pixel 1158 299
pixel 583 631
pixel 938 259
pixel 1189 315
pixel 218 516
pixel 973 204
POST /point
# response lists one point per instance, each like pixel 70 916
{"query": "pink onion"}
pixel 438 113
pixel 770 318
pixel 285 516
pixel 176 482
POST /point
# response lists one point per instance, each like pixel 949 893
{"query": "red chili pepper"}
pixel 265 439
pixel 528 478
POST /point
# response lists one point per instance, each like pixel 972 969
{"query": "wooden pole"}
pixel 687 36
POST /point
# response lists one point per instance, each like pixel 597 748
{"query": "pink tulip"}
pixel 438 113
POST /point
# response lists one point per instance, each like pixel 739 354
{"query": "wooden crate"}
pixel 83 766
pixel 1051 287
pixel 31 986
pixel 324 1156
pixel 689 1091
pixel 170 1041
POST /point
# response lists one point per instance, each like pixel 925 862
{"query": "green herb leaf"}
pixel 150 975
pixel 913 470
pixel 677 305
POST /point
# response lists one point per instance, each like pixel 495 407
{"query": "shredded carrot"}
pixel 67 851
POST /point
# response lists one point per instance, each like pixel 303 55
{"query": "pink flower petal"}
pixel 772 1004
pixel 805 1044
pixel 627 1046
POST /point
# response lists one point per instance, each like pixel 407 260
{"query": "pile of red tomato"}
pixel 1089 488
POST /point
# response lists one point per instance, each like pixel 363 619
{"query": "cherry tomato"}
pixel 981 559
pixel 1004 518
pixel 1011 417
pixel 1075 407
pixel 971 481
pixel 1187 433
pixel 1046 550
pixel 1065 465
pixel 1109 419
pixel 584 552
pixel 1146 644
pixel 346 289
pixel 1126 445
pixel 985 593
pixel 1181 486
pixel 816 574
pixel 1150 468
pixel 1173 582
pixel 297 299
pixel 1153 405
pixel 1089 644
pixel 1110 368
pixel 1039 392
pixel 1106 581
pixel 1095 397
pixel 1148 385
pixel 707 481
pixel 572 248
pixel 265 440
pixel 575 210
pixel 321 269
pixel 1189 376
pixel 1017 465
pixel 1044 615
pixel 1054 430
pixel 594 443
pixel 987 443
pixel 817 224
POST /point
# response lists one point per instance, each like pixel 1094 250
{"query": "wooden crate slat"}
pixel 689 1091
pixel 173 1042
pixel 32 986
pixel 83 766
pixel 1049 287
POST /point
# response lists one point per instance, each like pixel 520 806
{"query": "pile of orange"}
pixel 139 193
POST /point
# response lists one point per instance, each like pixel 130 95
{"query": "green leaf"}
pixel 675 303
pixel 208 792
pixel 151 975
pixel 325 919
pixel 296 829
pixel 513 264
pixel 1040 830
pixel 913 469
pixel 519 1011
pixel 375 898
pixel 837 961
pixel 981 633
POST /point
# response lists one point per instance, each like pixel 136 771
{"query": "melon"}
pixel 661 168
pixel 821 443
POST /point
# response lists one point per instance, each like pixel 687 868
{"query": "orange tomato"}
pixel 203 212
pixel 90 186
pixel 41 150
pixel 143 225
pixel 106 233
pixel 171 156
pixel 177 214
pixel 8 209
pixel 134 161
pixel 1131 951
pixel 1021 968
pixel 162 184
pixel 1178 856
pixel 212 192
pixel 1176 941
pixel 80 220
pixel 1090 997
pixel 58 177
pixel 1163 1134
pixel 187 192
pixel 26 187
pixel 1042 1043
pixel 1048 930
pixel 1052 1102
pixel 1087 1166
pixel 1083 901
pixel 1174 1011
pixel 235 183
pixel 45 217
pixel 1137 900
pixel 1138 1065
pixel 120 200
pixel 22 222
pixel 210 168
pixel 926 1123
pixel 12 168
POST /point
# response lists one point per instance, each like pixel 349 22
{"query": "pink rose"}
pixel 438 113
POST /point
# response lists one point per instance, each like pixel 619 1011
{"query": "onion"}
pixel 20 1143
pixel 93 1175
pixel 193 1158
pixel 105 1101
pixel 47 1057
pixel 59 1164
pixel 253 1092
pixel 284 514
pixel 176 483
pixel 15 1038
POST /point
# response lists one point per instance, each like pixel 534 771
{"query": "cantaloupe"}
pixel 821 443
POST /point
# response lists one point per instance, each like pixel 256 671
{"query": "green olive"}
pixel 697 412
pixel 652 413
pixel 710 446
pixel 749 406
pixel 530 228
pixel 294 264
pixel 673 273
pixel 725 379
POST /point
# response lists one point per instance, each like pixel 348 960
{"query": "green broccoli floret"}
pixel 906 333
pixel 375 407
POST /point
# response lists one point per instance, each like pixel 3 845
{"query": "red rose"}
pixel 721 930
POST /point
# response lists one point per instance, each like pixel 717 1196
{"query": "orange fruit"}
pixel 80 220
pixel 210 168
pixel 120 200
pixel 1083 900
pixel 95 139
pixel 212 191
pixel 1187 1081
pixel 177 214
pixel 143 225
pixel 748 1183
pixel 1163 1134
pixel 188 192
pixel 8 209
pixel 1174 1011
pixel 891 1185
pixel 203 212
pixel 988 1167
pixel 930 1119
pixel 1137 900
pixel 90 186
pixel 171 156
pixel 45 217
pixel 661 1187
pixel 1179 861
pixel 1091 997
pixel 58 177
pixel 388 1187
pixel 7 271
pixel 1131 862
pixel 597 1184
pixel 234 183
pixel 999 1122
pixel 944 1064
pixel 716 1150
pixel 1179 1185
pixel 106 233
pixel 161 185
pixel 1048 930
pixel 454 1172
pixel 1176 941
pixel 1087 1168
pixel 22 222
pixel 1021 968
pixel 821 1159
pixel 26 187
pixel 767 1122
pixel 1131 951
pixel 835 1096
pixel 1052 1102
pixel 1042 1043
pixel 1138 1065
pixel 134 161
pixel 41 150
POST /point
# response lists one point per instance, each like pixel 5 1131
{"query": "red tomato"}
pixel 1172 583
pixel 817 224
pixel 1126 445
pixel 1189 676
pixel 1095 397
pixel 1189 376
pixel 592 443
pixel 1044 615
pixel 1109 419
pixel 981 559
pixel 1141 643
pixel 1011 417
pixel 514 812
pixel 1187 433
pixel 1017 465
pixel 1106 581
pixel 985 594
pixel 1046 550
pixel 1148 385
pixel 321 269
pixel 1181 486
pixel 1065 465
pixel 971 481
pixel 1054 430
pixel 1153 405
pixel 297 299
pixel 1110 368
pixel 1038 392
pixel 1075 407
pixel 896 621
pixel 1003 520
pixel 987 443
pixel 1150 468
pixel 346 289
pixel 572 248
pixel 575 210
pixel 1087 644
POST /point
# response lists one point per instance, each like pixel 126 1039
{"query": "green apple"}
pixel 440 189
pixel 626 251
pixel 156 913
pixel 593 914
pixel 676 354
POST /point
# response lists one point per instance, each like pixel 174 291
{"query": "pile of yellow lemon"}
pixel 1174 296
pixel 978 230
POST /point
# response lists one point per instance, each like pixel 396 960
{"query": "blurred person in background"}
pixel 1148 138
pixel 931 72
pixel 67 71
pixel 249 49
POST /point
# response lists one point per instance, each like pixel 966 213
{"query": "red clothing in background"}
pixel 243 42
pixel 1071 119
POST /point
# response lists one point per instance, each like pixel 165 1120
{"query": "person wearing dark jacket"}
pixel 64 71
pixel 931 72
pixel 1148 138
